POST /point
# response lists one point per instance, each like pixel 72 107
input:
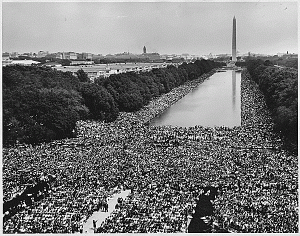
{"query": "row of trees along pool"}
pixel 43 104
pixel 280 88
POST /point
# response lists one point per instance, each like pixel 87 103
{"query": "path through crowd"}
pixel 100 216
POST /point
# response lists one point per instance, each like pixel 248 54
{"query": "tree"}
pixel 42 104
pixel 267 63
pixel 99 102
pixel 280 89
pixel 39 104
pixel 82 76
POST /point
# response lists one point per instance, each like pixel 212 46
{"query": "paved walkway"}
pixel 101 216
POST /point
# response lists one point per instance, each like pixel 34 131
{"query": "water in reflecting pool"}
pixel 216 102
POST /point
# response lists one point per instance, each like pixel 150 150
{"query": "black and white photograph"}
pixel 149 117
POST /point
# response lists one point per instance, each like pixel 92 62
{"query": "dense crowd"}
pixel 166 168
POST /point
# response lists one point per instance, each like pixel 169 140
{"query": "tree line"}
pixel 280 88
pixel 44 104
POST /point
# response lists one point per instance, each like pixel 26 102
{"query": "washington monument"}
pixel 234 40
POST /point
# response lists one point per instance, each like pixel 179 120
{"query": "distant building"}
pixel 14 54
pixel 52 56
pixel 170 57
pixel 98 56
pixel 287 55
pixel 5 56
pixel 69 55
pixel 6 62
pixel 224 55
pixel 186 56
pixel 85 56
pixel 293 55
pixel 27 54
pixel 125 56
pixel 163 57
pixel 59 55
pixel 24 62
pixel 83 62
pixel 52 64
pixel 42 53
pixel 73 56
pixel 210 56
pixel 144 50
pixel 150 56
pixel 104 71
pixel 261 55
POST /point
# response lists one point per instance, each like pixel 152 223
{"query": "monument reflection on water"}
pixel 233 89
pixel 216 102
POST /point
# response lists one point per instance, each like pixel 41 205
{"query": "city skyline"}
pixel 196 28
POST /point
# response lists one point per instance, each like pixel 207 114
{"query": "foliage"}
pixel 39 104
pixel 131 91
pixel 285 61
pixel 241 64
pixel 99 102
pixel 280 88
pixel 43 104
pixel 82 76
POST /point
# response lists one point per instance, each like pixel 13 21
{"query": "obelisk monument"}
pixel 234 40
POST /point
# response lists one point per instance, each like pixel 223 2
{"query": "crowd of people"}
pixel 166 168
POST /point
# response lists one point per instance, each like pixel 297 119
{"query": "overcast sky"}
pixel 163 27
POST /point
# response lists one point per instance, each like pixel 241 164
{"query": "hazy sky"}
pixel 163 27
